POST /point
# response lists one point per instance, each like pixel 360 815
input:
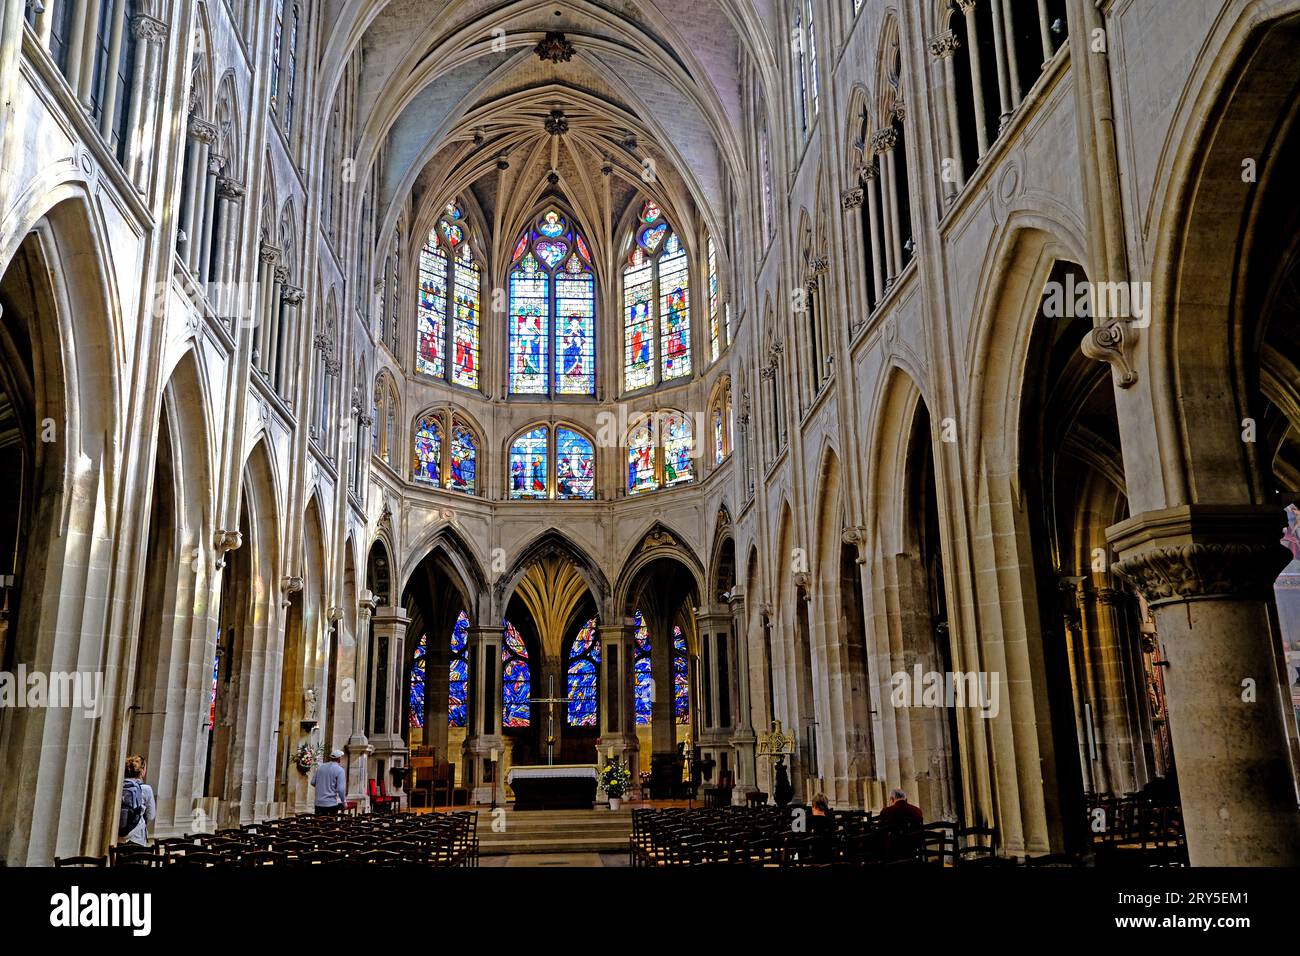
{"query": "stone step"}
pixel 555 831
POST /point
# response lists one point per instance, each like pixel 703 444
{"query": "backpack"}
pixel 131 810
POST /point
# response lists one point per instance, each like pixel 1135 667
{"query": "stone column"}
pixel 870 176
pixel 1013 62
pixel 976 75
pixel 358 747
pixel 882 144
pixel 389 707
pixel 152 33
pixel 942 48
pixel 743 739
pixel 230 200
pixel 617 703
pixel 663 720
pixel 1000 62
pixel 1207 573
pixel 116 37
pixel 202 259
pixel 268 255
pixel 483 731
pixel 1045 30
pixel 718 681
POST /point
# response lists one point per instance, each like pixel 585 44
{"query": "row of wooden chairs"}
pixel 1137 830
pixel 431 839
pixel 767 836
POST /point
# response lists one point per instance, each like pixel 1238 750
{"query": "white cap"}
pixel 336 754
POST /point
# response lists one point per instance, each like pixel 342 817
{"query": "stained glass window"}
pixel 515 684
pixel 681 678
pixel 458 674
pixel 464 455
pixel 431 316
pixel 656 305
pixel 638 327
pixel 465 329
pixel 575 465
pixel 643 680
pixel 530 302
pixel 575 309
pixel 641 457
pixel 674 310
pixel 552 311
pixel 719 438
pixel 428 450
pixel 447 319
pixel 715 319
pixel 677 446
pixel 416 702
pixel 584 658
pixel 528 464
pixel 216 673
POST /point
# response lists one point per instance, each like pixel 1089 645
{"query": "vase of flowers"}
pixel 308 756
pixel 614 780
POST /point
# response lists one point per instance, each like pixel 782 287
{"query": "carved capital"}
pixel 290 294
pixel 867 173
pixel 288 586
pixel 203 131
pixel 224 541
pixel 367 603
pixel 852 198
pixel 1113 343
pixel 231 189
pixel 883 140
pixel 944 45
pixel 281 275
pixel 1194 552
pixel 333 366
pixel 268 253
pixel 147 28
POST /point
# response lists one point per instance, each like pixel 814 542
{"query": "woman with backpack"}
pixel 138 809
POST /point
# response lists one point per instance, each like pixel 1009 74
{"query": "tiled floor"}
pixel 556 859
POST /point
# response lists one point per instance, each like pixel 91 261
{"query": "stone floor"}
pixel 556 859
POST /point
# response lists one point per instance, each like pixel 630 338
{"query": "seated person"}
pixel 821 827
pixel 900 815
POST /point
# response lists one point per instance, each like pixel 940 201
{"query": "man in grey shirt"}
pixel 331 783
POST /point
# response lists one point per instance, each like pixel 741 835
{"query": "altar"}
pixel 558 787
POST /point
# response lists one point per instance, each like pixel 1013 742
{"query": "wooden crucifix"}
pixel 550 703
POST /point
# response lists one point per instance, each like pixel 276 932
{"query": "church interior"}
pixel 636 432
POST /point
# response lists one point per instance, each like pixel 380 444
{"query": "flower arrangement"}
pixel 615 779
pixel 308 756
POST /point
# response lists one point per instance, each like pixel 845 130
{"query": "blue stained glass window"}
pixel 464 456
pixel 528 461
pixel 530 327
pixel 515 683
pixel 465 327
pixel 643 681
pixel 575 465
pixel 427 464
pixel 674 310
pixel 431 319
pixel 458 674
pixel 418 681
pixel 681 678
pixel 641 457
pixel 678 444
pixel 575 310
pixel 584 656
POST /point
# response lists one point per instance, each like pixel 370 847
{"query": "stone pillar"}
pixel 870 177
pixel 717 660
pixel 202 259
pixel 116 37
pixel 230 194
pixel 148 34
pixel 268 255
pixel 942 48
pixel 1207 573
pixel 617 703
pixel 291 297
pixel 388 703
pixel 1000 57
pixel 743 739
pixel 483 731
pixel 882 144
pixel 358 747
pixel 1013 62
pixel 976 75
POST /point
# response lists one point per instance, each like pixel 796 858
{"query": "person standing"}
pixel 138 808
pixel 331 783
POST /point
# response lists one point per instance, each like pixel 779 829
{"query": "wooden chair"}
pixel 203 858
pixel 131 854
pixel 82 861
pixel 379 798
